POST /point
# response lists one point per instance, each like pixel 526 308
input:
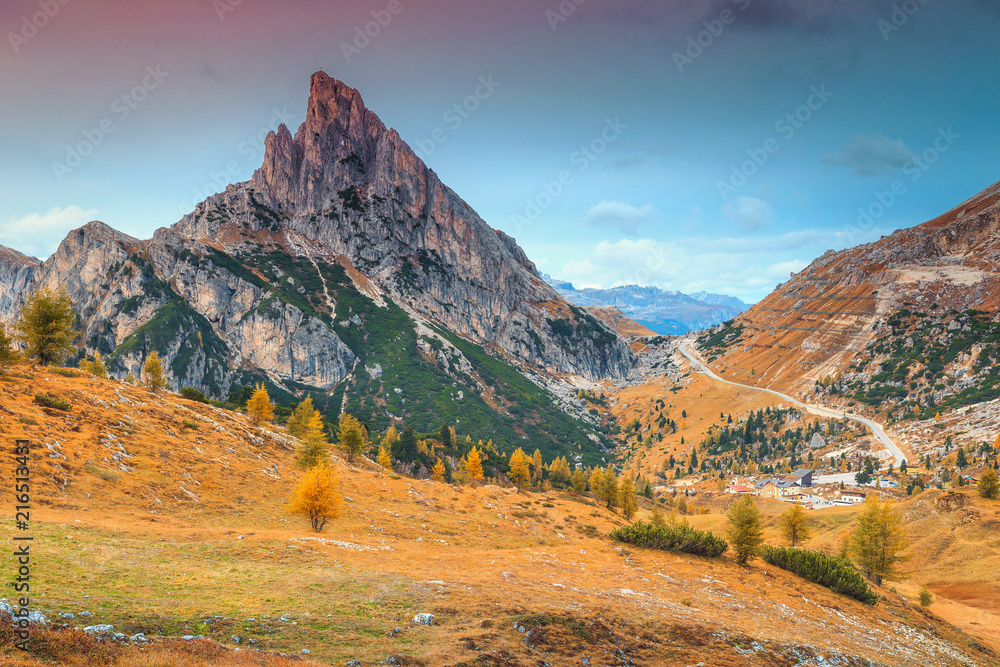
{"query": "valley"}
pixel 194 539
pixel 477 434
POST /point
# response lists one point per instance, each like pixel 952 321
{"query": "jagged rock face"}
pixel 350 187
pixel 240 286
pixel 16 273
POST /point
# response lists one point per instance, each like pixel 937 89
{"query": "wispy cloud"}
pixel 619 215
pixel 750 213
pixel 746 267
pixel 39 234
pixel 872 156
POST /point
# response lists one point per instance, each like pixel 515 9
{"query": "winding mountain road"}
pixel 875 427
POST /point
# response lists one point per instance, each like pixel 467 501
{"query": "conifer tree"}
pixel 153 370
pixel 520 471
pixel 537 466
pixel 746 534
pixel 656 516
pixel 559 471
pixel 438 472
pixel 45 327
pixel 878 540
pixel 300 417
pixel 578 480
pixel 795 526
pixel 989 485
pixel 474 465
pixel 391 438
pixel 405 448
pixel 352 436
pixel 97 367
pixel 384 459
pixel 596 483
pixel 609 491
pixel 316 497
pixel 259 408
pixel 445 436
pixel 626 497
pixel 314 449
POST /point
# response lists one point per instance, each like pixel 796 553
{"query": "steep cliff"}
pixel 344 266
pixel 16 273
pixel 345 186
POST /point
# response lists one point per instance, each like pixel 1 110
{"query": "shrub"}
pixel 837 574
pixel 65 372
pixel 676 537
pixel 53 402
pixel 189 424
pixel 577 628
pixel 193 394
pixel 106 475
pixel 926 599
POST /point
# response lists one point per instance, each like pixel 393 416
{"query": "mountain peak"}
pixel 326 92
pixel 328 152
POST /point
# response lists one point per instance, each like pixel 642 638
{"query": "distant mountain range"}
pixel 665 312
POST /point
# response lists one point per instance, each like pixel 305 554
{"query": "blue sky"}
pixel 832 103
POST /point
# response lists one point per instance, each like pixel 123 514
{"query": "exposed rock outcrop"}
pixel 246 285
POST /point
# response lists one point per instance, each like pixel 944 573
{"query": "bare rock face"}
pixel 16 273
pixel 246 287
pixel 349 187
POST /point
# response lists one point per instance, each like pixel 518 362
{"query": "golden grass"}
pixel 144 556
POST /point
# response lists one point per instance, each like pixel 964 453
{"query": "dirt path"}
pixel 876 428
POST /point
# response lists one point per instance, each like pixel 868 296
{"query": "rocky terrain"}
pixel 881 317
pixel 664 312
pixel 345 267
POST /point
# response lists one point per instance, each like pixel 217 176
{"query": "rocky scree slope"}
pixel 904 318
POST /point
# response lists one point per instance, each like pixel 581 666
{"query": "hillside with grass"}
pixel 169 517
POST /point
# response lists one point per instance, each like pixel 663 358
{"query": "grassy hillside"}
pixel 160 515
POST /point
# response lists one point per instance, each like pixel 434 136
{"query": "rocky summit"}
pixel 344 266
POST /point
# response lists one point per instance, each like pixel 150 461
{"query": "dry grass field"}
pixel 168 517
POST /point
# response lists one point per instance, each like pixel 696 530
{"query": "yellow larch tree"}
pixel 315 448
pixel 300 417
pixel 520 472
pixel 474 466
pixel 316 497
pixel 384 459
pixel 259 407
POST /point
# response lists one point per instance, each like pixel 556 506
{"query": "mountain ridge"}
pixel 905 321
pixel 344 252
pixel 663 311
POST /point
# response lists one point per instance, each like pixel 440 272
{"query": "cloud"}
pixel 751 213
pixel 748 268
pixel 620 215
pixel 806 16
pixel 873 156
pixel 40 234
